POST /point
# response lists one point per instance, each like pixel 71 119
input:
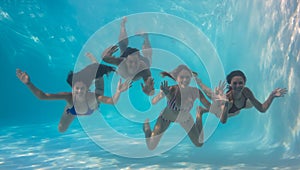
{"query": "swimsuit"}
pixel 171 104
pixel 234 109
pixel 180 112
pixel 72 111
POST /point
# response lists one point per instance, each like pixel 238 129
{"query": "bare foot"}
pixel 124 20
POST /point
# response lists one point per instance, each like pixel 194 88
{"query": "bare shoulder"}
pixel 247 92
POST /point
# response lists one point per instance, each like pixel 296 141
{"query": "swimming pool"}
pixel 49 39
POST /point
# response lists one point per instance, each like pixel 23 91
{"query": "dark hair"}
pixel 235 73
pixel 173 74
pixel 129 51
pixel 88 74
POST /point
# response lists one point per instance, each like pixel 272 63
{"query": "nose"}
pixel 133 64
pixel 79 90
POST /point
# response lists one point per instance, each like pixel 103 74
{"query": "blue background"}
pixel 44 38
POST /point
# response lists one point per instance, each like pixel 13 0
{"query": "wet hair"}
pixel 235 73
pixel 173 74
pixel 88 74
pixel 129 51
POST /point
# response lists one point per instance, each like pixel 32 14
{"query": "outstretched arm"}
pixel 203 100
pixel 279 92
pixel 108 57
pixel 24 78
pixel 208 92
pixel 158 97
pixel 120 88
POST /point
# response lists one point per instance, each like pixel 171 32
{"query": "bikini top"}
pixel 172 103
pixel 234 108
pixel 72 111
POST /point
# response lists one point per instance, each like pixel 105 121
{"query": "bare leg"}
pixel 147 50
pixel 65 121
pixel 153 138
pixel 194 130
pixel 123 39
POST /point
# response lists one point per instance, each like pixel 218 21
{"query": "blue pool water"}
pixel 47 39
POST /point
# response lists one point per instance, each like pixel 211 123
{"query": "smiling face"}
pixel 184 78
pixel 237 83
pixel 79 89
pixel 132 63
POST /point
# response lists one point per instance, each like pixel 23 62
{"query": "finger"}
pixel 152 81
pixel 127 81
pixel 284 91
pixel 18 72
pixel 114 49
pixel 194 74
pixel 148 80
pixel 223 84
pixel 109 47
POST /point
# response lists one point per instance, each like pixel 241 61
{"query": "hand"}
pixel 221 88
pixel 219 96
pixel 91 57
pixel 88 54
pixel 23 76
pixel 148 88
pixel 164 87
pixel 126 85
pixel 279 92
pixel 109 51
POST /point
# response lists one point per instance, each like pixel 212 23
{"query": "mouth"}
pixel 239 89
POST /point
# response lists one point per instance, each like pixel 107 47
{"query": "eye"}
pixel 236 83
pixel 182 77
